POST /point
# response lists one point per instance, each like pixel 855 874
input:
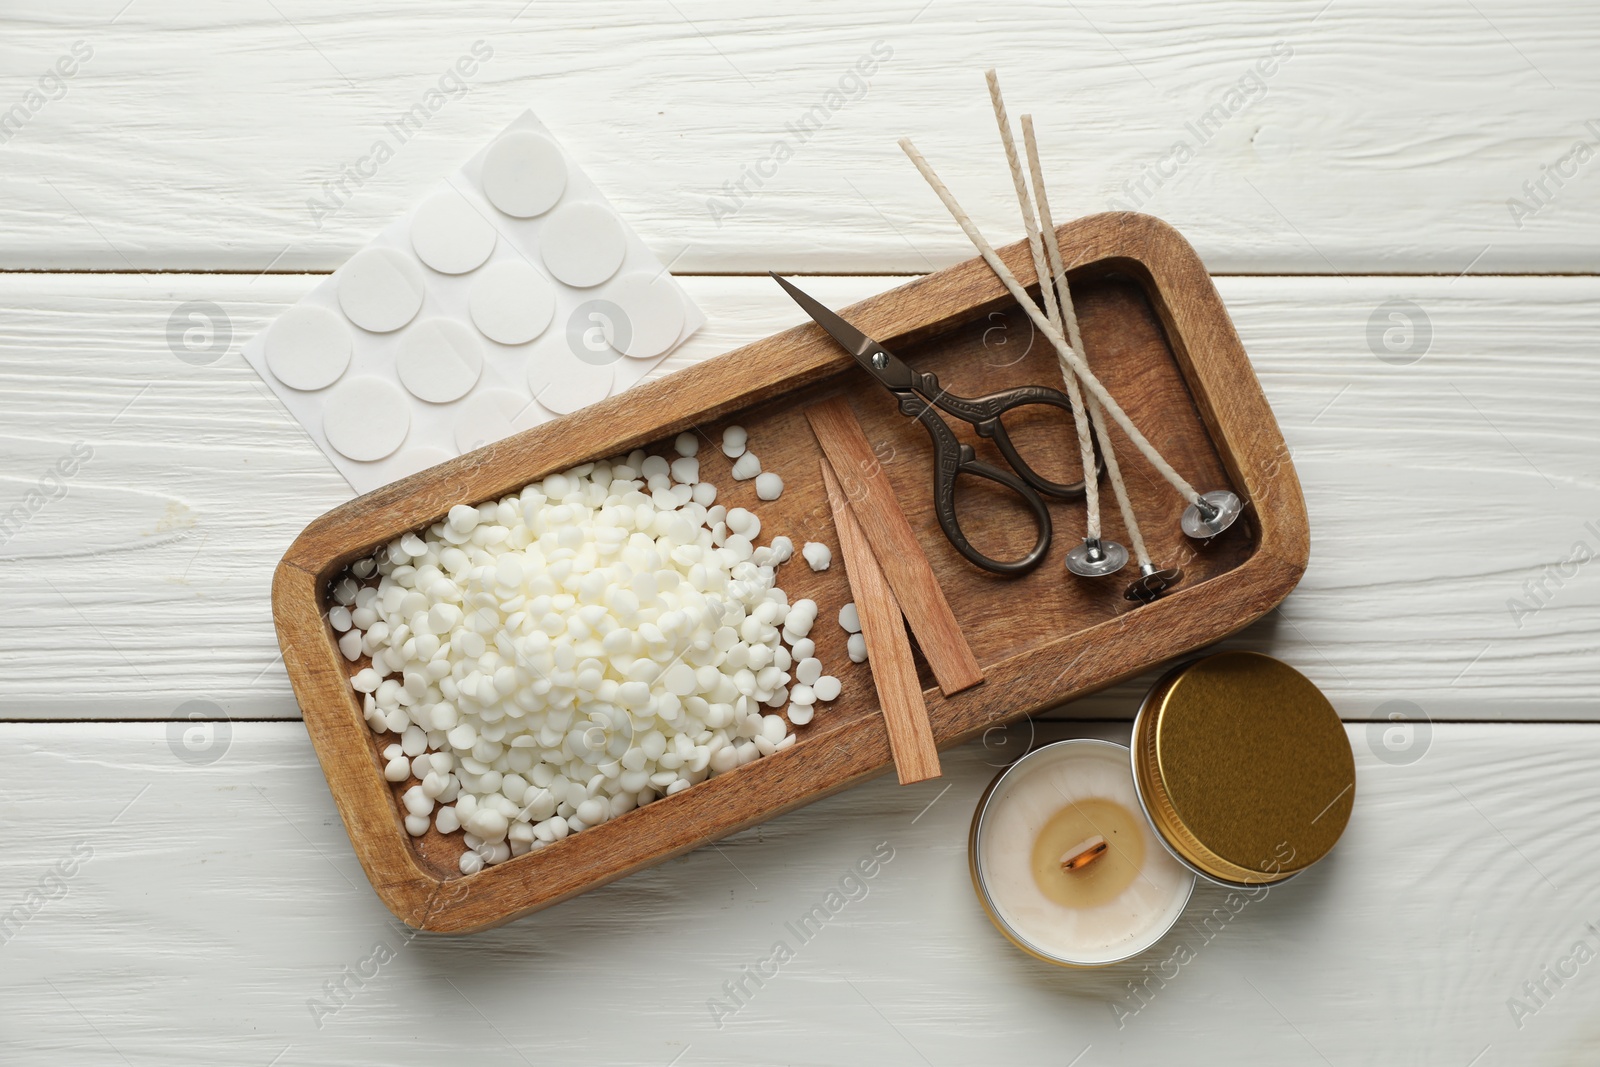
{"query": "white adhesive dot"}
pixel 654 310
pixel 582 243
pixel 366 418
pixel 380 289
pixel 450 235
pixel 307 348
pixel 512 303
pixel 524 174
pixel 419 458
pixel 489 415
pixel 563 384
pixel 439 361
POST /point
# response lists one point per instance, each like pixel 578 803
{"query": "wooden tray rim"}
pixel 1219 376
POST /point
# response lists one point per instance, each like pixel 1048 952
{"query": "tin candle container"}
pixel 1044 806
pixel 1240 772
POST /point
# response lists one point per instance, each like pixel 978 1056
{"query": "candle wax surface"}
pixel 1104 878
pixel 1118 905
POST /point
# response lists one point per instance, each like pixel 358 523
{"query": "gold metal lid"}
pixel 1243 767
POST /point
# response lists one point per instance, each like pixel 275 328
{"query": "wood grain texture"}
pixel 889 656
pixel 901 561
pixel 222 902
pixel 1390 138
pixel 199 479
pixel 1192 378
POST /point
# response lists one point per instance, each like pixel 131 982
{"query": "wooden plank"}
pixel 679 114
pixel 232 885
pixel 200 479
pixel 894 675
pixel 904 565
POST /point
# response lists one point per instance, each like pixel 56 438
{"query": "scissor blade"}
pixel 854 341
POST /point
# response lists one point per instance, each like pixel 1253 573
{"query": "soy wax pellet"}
pixel 495 651
pixel 686 469
pixel 800 714
pixel 857 647
pixel 768 486
pixel 733 441
pixel 817 555
pixel 849 619
pixel 828 687
pixel 686 444
pixel 747 466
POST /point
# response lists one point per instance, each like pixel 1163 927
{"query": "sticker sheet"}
pixel 511 295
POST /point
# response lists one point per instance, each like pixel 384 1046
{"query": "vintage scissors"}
pixel 919 395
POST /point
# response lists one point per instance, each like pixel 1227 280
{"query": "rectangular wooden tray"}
pixel 1159 337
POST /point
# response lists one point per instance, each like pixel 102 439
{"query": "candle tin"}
pixel 1242 771
pixel 1243 767
pixel 1167 886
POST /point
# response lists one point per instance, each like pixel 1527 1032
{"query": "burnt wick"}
pixel 1083 853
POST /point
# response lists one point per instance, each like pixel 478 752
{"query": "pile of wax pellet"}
pixel 555 658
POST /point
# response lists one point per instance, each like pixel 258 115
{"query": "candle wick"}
pixel 1083 853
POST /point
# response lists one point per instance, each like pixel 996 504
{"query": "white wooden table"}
pixel 160 908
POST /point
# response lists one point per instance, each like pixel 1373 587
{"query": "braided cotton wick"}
pixel 1020 295
pixel 1058 271
pixel 1091 486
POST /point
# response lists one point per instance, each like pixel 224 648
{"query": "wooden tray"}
pixel 1159 337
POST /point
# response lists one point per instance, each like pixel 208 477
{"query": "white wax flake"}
pixel 524 174
pixel 817 555
pixel 583 243
pixel 808 670
pixel 307 348
pixel 515 649
pixel 733 441
pixel 828 687
pixel 743 521
pixel 685 470
pixel 686 444
pixel 747 466
pixel 768 485
pixel 511 302
pixel 857 647
pixel 850 619
pixel 380 289
pixel 450 235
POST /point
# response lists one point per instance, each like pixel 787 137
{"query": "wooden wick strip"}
pixel 895 545
pixel 894 674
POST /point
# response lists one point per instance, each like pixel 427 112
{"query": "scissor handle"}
pixel 984 413
pixel 951 459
